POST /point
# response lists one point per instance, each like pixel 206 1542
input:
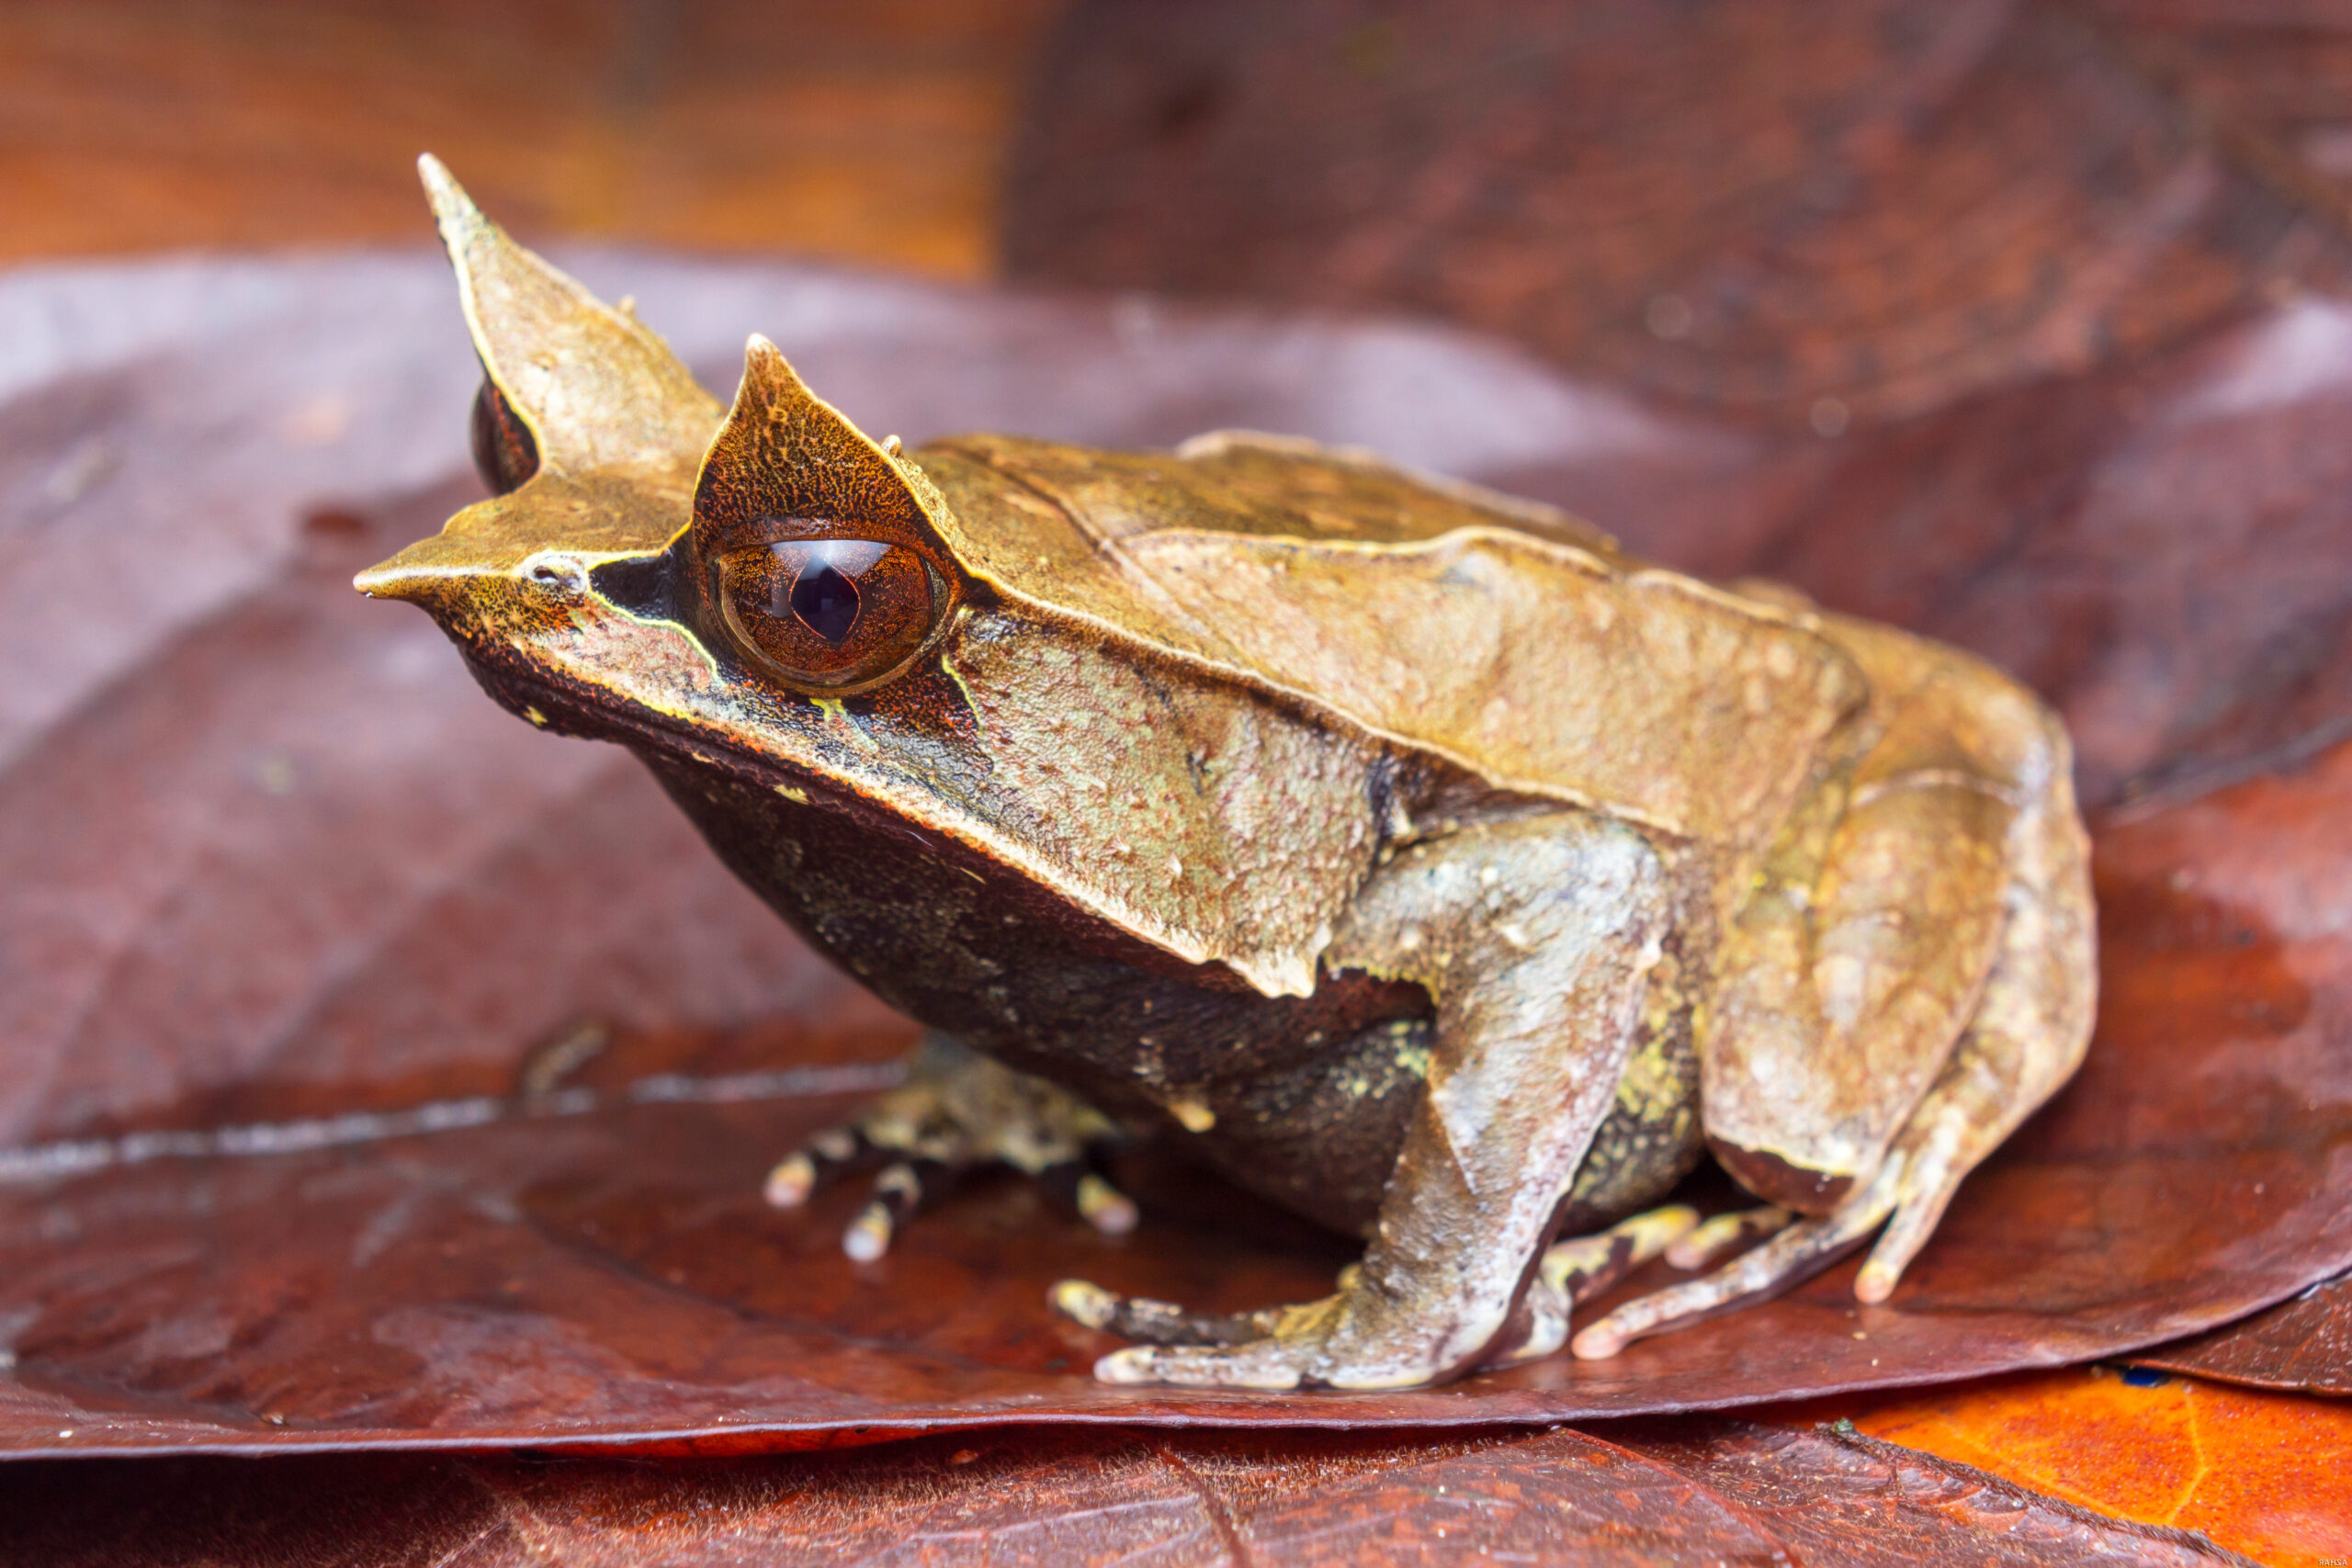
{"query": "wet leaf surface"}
pixel 1708 1490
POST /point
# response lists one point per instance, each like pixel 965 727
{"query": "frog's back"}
pixel 1505 638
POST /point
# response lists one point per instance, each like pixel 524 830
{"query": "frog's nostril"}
pixel 561 573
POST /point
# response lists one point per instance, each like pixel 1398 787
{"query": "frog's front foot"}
pixel 957 1111
pixel 1321 1341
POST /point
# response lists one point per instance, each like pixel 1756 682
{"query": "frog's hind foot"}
pixel 1937 877
pixel 957 1111
pixel 1571 1272
pixel 1574 1271
pixel 1793 1255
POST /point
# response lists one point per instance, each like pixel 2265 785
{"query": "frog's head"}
pixel 767 605
pixel 648 554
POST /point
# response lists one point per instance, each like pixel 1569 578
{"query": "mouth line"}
pixel 564 707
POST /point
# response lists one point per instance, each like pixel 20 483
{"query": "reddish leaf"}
pixel 1703 1492
pixel 612 1275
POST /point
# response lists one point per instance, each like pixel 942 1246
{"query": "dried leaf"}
pixel 2264 1475
pixel 592 1273
pixel 2302 1344
pixel 271 878
pixel 310 875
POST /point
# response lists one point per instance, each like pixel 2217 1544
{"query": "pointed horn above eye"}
pixel 596 387
pixel 784 452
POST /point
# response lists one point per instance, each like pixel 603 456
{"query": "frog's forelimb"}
pixel 1536 940
pixel 958 1111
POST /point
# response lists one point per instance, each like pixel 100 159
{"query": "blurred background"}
pixel 1808 212
pixel 870 131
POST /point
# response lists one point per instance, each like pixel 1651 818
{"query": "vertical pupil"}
pixel 826 603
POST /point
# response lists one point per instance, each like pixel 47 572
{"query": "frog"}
pixel 1412 855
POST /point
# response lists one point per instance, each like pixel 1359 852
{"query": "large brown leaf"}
pixel 582 1273
pixel 270 862
pixel 1702 1492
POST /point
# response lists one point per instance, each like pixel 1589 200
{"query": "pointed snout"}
pixel 432 587
pixel 468 555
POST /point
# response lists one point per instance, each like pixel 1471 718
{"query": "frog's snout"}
pixel 402 579
pixel 444 586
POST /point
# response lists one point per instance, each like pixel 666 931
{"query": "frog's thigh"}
pixel 1839 1004
pixel 1534 940
pixel 2025 1039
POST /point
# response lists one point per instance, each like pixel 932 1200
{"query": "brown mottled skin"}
pixel 1409 852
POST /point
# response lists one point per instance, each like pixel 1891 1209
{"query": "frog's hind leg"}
pixel 1862 950
pixel 2028 1036
pixel 1844 994
pixel 2023 1038
pixel 957 1111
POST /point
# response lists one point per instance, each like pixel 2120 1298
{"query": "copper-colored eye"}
pixel 830 612
pixel 504 454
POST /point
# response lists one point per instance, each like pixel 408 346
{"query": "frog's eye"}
pixel 830 612
pixel 504 454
